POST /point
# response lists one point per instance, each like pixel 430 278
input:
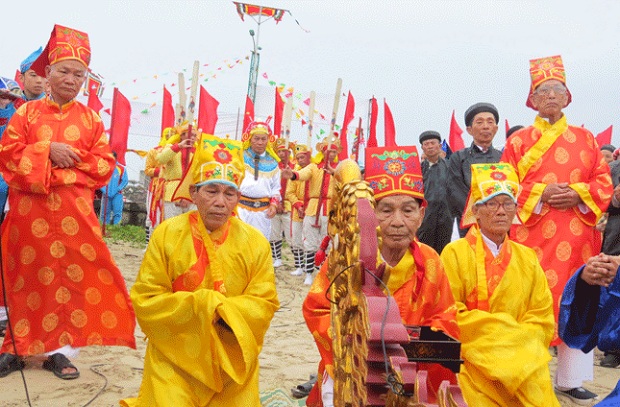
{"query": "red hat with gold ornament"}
pixel 64 43
pixel 544 69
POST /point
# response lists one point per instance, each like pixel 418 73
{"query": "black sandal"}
pixel 10 363
pixel 57 362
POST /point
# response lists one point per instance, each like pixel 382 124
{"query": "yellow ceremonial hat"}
pixel 489 181
pixel 64 43
pixel 302 149
pixel 215 160
pixel 544 69
pixel 258 127
pixel 169 136
pixel 281 144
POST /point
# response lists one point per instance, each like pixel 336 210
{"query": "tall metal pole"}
pixel 255 61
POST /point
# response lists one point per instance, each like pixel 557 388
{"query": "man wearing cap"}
pixel 566 188
pixel 64 290
pixel 436 228
pixel 608 152
pixel 281 222
pixel 205 293
pixel 504 306
pixel 260 190
pixel 297 194
pixel 170 159
pixel 321 191
pixel 414 274
pixel 481 120
pixel 34 88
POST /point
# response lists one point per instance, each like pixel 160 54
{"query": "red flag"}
pixel 17 75
pixel 207 112
pixel 372 133
pixel 248 113
pixel 94 102
pixel 277 114
pixel 167 111
pixel 390 130
pixel 456 141
pixel 507 127
pixel 349 112
pixel 119 125
pixel 604 137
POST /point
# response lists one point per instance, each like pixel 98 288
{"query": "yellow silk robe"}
pixel 506 320
pixel 192 358
pixel 430 304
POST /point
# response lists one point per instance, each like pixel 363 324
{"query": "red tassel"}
pixel 319 257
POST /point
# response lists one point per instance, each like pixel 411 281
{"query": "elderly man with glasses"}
pixel 566 188
pixel 504 306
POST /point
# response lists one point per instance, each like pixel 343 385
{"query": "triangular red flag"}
pixel 119 125
pixel 604 137
pixel 17 78
pixel 277 114
pixel 372 133
pixel 207 112
pixel 455 139
pixel 507 126
pixel 94 102
pixel 390 129
pixel 167 111
pixel 349 113
pixel 248 113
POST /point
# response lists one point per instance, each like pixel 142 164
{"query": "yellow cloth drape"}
pixel 505 348
pixel 192 358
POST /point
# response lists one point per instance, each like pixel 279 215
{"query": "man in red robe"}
pixel 64 291
pixel 566 188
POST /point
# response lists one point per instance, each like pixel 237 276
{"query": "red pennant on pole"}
pixel 372 133
pixel 507 127
pixel 277 114
pixel 390 129
pixel 167 111
pixel 119 126
pixel 207 112
pixel 604 137
pixel 248 113
pixel 456 140
pixel 17 78
pixel 349 113
pixel 93 101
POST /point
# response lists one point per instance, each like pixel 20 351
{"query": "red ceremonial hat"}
pixel 393 171
pixel 64 43
pixel 544 69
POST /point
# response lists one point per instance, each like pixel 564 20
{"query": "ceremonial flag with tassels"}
pixel 254 10
pixel 119 125
pixel 372 132
pixel 277 114
pixel 207 112
pixel 349 113
pixel 455 138
pixel 390 129
pixel 167 111
pixel 94 102
pixel 604 137
pixel 248 113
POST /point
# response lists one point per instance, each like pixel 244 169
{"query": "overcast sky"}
pixel 426 58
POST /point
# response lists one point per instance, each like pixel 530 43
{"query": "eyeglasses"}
pixel 546 90
pixel 494 205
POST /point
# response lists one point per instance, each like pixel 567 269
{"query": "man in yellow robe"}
pixel 505 308
pixel 203 296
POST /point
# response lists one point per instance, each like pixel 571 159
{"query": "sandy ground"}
pixel 112 373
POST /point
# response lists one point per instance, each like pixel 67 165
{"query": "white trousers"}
pixel 281 224
pixel 257 219
pixel 312 235
pixel 574 367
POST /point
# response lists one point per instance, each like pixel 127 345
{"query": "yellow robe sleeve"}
pixel 208 337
